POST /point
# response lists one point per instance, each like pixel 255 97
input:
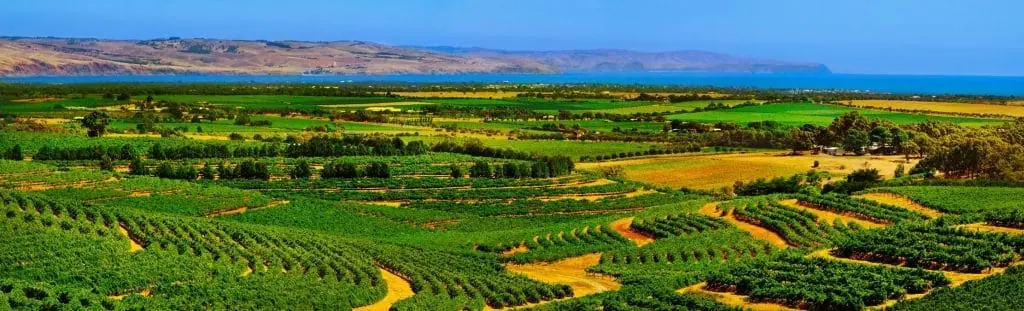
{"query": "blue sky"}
pixel 865 36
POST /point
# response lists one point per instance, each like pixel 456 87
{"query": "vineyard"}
pixel 353 199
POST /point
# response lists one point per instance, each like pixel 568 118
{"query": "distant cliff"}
pixel 65 57
pixel 626 60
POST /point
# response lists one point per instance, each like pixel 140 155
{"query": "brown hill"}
pixel 53 56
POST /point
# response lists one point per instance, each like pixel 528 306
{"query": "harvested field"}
pixel 944 107
pixel 713 171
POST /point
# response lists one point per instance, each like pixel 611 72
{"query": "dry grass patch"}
pixel 712 171
pixel 944 107
pixel 133 246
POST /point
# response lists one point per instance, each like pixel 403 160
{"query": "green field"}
pixel 796 114
pixel 397 210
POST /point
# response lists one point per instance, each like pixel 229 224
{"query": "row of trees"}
pixel 350 170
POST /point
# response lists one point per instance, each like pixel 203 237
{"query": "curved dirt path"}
pixel 398 289
pixel 900 201
pixel 622 226
pixel 711 209
pixel 733 299
pixel 570 271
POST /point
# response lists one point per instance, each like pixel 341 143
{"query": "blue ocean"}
pixel 898 84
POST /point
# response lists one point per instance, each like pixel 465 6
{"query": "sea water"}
pixel 899 84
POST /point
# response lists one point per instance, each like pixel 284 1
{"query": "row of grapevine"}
pixel 455 275
pixel 716 245
pixel 554 246
pixel 797 227
pixel 460 194
pixel 860 208
pixel 541 207
pixel 84 241
pixel 822 284
pixel 932 247
pixel 677 225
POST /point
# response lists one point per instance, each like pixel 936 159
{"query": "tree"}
pixel 301 170
pixel 15 154
pixel 856 141
pixel 800 140
pixel 880 135
pixel 96 123
pixel 242 119
pixel 124 97
pixel 207 172
pixel 378 170
pixel 480 169
pixel 106 163
pixel 457 171
pixel 900 171
pixel 136 167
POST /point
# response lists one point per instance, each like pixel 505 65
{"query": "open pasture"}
pixel 796 114
pixel 943 107
pixel 712 171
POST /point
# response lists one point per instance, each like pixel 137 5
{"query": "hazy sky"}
pixel 855 36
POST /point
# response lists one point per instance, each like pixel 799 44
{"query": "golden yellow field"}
pixel 712 171
pixel 943 107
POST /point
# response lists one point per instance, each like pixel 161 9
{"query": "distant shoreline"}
pixel 896 84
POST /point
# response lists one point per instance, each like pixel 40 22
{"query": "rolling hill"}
pixel 83 57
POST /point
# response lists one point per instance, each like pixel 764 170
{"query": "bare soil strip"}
pixel 145 293
pixel 982 227
pixel 244 209
pixel 398 289
pixel 900 201
pixel 134 246
pixel 711 209
pixel 622 226
pixel 830 217
pixel 733 299
pixel 572 272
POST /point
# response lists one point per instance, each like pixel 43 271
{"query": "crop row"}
pixel 860 208
pixel 821 284
pixel 932 247
pixel 677 225
pixel 696 247
pixel 553 246
pixel 797 227
pixel 539 207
